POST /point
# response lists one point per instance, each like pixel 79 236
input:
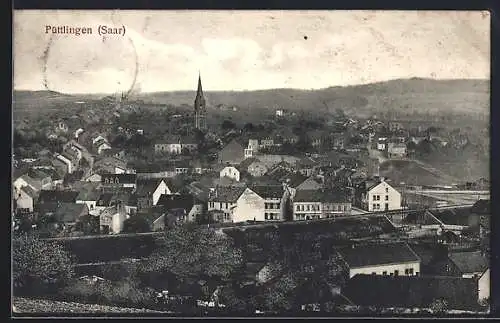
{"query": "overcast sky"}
pixel 246 50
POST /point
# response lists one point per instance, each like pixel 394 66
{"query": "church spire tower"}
pixel 199 107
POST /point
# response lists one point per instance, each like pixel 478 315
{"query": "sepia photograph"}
pixel 256 163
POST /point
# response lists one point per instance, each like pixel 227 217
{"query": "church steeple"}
pixel 199 107
pixel 199 101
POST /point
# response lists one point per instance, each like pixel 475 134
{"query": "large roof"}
pixel 57 196
pixel 378 254
pixel 325 196
pixel 229 194
pixel 177 201
pixel 481 207
pixel 469 261
pixel 268 191
pixel 411 291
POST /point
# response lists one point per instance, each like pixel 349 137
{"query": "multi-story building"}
pixel 319 204
pixel 377 195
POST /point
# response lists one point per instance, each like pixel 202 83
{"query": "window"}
pixel 407 272
pixel 387 190
pixel 220 206
pixel 308 207
pixel 374 206
pixel 384 273
pixel 265 216
pixel 410 271
pixel 298 208
pixel 227 207
pixel 387 197
pixel 396 272
pixel 374 273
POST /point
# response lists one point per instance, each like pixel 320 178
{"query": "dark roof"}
pixel 28 190
pixel 147 186
pixel 481 207
pixel 228 194
pixel 57 196
pixel 326 196
pixel 62 212
pixel 456 216
pixel 296 179
pixel 177 201
pixel 378 254
pixel 306 162
pixel 243 166
pixel 411 291
pixel 105 199
pixel 469 261
pixel 268 191
pixel 69 212
pixel 123 178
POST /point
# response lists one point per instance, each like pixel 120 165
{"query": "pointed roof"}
pixel 200 99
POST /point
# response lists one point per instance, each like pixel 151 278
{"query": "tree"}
pixel 136 224
pixel 192 253
pixel 439 306
pixel 38 264
pixel 278 296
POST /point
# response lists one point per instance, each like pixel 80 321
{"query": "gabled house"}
pixel 386 259
pixel 41 176
pixel 275 198
pixel 88 194
pixel 236 204
pixel 253 166
pixel 111 219
pixel 184 207
pixel 148 192
pixel 25 200
pixel 467 264
pixel 232 153
pixel 26 180
pixel 57 196
pixel 377 195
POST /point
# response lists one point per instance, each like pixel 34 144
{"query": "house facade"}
pixel 380 197
pixel 320 204
pixel 396 150
pixel 230 172
pixel 388 259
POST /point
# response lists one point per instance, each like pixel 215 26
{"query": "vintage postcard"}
pixel 250 163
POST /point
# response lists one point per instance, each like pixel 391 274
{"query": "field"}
pixel 412 173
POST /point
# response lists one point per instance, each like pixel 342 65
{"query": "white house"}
pixel 382 197
pixel 275 198
pixel 396 150
pixel 98 138
pixel 382 143
pixel 484 286
pixel 112 218
pixel 102 147
pixel 78 132
pixel 387 259
pixel 67 162
pixel 231 172
pixel 236 204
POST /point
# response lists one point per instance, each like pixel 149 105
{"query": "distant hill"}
pixel 422 95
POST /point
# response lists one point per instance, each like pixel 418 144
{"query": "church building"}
pixel 200 121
